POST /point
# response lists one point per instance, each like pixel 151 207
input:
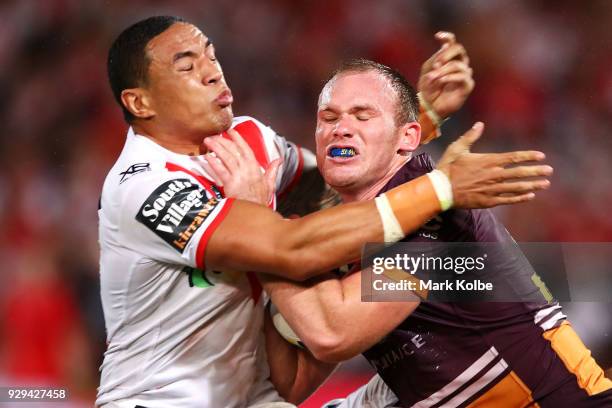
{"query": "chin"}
pixel 222 120
pixel 339 179
pixel 226 117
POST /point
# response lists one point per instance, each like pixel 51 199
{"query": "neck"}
pixel 169 141
pixel 370 191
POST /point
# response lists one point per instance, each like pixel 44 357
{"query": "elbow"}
pixel 330 348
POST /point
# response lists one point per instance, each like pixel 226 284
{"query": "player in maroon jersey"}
pixel 429 354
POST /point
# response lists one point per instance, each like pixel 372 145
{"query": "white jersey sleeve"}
pixel 374 394
pixel 169 217
pixel 295 161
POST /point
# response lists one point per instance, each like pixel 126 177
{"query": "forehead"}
pixel 358 88
pixel 177 38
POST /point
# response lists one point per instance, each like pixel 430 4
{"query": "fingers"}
pixel 504 159
pixel 271 173
pixel 216 166
pixel 464 80
pixel 457 78
pixel 454 71
pixel 242 146
pixel 210 171
pixel 520 187
pixel 471 136
pixel 445 37
pixel 461 147
pixel 507 200
pixel 451 67
pixel 225 151
pixel 448 53
pixel 449 50
pixel 526 171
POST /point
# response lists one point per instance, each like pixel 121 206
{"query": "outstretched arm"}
pixel 252 237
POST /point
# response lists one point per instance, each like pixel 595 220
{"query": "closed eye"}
pixel 328 116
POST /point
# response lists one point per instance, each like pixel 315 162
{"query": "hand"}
pixel 446 78
pixel 234 167
pixel 484 180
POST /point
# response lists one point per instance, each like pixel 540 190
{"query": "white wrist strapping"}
pixel 433 115
pixel 391 227
pixel 443 188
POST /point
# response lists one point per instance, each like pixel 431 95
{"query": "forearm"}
pixel 311 373
pixel 254 238
pixel 330 318
pixel 294 372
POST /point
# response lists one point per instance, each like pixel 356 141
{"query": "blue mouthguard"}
pixel 342 152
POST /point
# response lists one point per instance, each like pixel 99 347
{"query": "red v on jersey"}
pixel 254 138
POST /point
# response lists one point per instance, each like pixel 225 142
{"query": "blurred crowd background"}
pixel 543 80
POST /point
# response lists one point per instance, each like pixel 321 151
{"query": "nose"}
pixel 212 73
pixel 343 127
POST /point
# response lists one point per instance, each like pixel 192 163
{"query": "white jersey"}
pixel 178 333
pixel 375 394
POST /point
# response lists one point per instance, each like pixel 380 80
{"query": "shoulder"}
pixel 421 163
pixel 415 167
pixel 248 124
pixel 264 141
pixel 139 171
pixel 138 157
pixel 251 121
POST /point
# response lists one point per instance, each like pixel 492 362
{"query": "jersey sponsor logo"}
pixel 395 353
pixel 208 278
pixel 134 169
pixel 175 210
pixel 197 278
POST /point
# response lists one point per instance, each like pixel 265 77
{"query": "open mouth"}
pixel 342 152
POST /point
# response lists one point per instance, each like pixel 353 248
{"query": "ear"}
pixel 410 137
pixel 138 102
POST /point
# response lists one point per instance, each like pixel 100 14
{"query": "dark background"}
pixel 543 80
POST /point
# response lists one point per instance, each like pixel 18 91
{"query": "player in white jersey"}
pixel 183 313
pixel 171 322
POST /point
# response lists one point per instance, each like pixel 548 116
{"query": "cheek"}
pixel 320 143
pixel 381 148
pixel 168 91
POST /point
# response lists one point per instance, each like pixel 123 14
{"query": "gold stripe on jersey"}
pixel 509 392
pixel 577 359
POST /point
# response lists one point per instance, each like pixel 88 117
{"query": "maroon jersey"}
pixel 457 354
